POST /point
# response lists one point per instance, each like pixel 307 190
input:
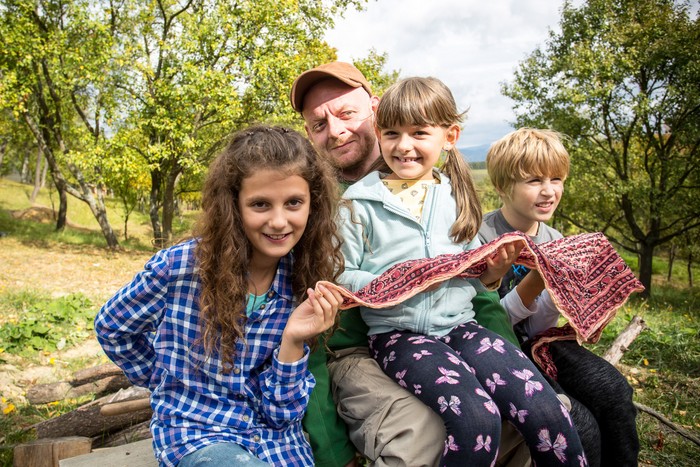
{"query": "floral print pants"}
pixel 473 378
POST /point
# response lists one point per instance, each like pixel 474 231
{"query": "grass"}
pixel 83 228
pixel 662 365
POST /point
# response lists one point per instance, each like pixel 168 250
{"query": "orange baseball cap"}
pixel 341 71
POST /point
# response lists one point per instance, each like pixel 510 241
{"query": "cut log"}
pixel 45 393
pixel 48 452
pixel 88 421
pixel 624 340
pixel 95 373
pixel 118 408
pixel 127 436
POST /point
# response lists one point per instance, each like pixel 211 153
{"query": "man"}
pixel 386 423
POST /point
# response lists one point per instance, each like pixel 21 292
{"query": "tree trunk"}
pixel 3 150
pixel 155 207
pixel 81 192
pixel 44 171
pixel 671 257
pixel 169 204
pixel 24 171
pixel 61 219
pixel 690 269
pixel 99 210
pixel 646 256
pixel 37 175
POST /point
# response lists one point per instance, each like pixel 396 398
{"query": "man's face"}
pixel 339 121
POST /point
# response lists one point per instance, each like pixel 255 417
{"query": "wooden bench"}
pixel 137 454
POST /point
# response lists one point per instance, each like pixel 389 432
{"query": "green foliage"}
pixel 372 67
pixel 40 323
pixel 621 80
pixel 139 96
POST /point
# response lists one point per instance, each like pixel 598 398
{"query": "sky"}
pixel 471 45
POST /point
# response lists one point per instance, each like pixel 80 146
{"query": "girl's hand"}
pixel 313 316
pixel 499 263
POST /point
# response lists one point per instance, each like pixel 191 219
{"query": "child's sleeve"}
pixel 285 388
pixel 126 324
pixel 541 315
pixel 352 229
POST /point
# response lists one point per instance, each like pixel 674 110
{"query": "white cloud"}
pixel 471 45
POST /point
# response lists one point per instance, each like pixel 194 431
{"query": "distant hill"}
pixel 475 153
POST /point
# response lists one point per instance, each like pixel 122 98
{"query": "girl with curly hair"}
pixel 219 327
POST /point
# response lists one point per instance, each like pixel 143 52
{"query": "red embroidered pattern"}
pixel 586 278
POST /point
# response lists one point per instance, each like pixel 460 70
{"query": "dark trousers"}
pixel 597 385
pixel 602 407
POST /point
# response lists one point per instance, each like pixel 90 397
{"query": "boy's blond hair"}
pixel 525 153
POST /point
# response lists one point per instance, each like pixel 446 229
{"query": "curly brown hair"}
pixel 223 251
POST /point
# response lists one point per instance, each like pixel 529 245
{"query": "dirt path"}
pixel 63 269
pixel 59 270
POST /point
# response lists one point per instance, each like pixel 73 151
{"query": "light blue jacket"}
pixel 378 232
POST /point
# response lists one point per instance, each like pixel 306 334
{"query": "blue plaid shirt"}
pixel 150 329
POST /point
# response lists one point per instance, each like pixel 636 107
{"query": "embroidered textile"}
pixel 586 278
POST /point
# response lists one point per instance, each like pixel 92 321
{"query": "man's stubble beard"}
pixel 359 165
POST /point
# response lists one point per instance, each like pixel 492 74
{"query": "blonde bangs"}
pixel 417 102
pixel 526 153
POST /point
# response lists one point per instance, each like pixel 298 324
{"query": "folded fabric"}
pixel 586 278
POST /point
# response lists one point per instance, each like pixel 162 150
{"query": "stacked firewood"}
pixel 119 415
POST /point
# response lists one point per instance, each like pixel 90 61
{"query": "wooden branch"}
pixel 614 355
pixel 100 380
pixel 118 408
pixel 624 339
pixel 95 373
pixel 88 422
pixel 675 427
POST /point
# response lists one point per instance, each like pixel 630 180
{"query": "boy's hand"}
pixel 499 263
pixel 530 287
pixel 313 316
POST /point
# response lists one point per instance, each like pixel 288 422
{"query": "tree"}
pixel 372 67
pixel 55 66
pixel 166 80
pixel 202 68
pixel 621 80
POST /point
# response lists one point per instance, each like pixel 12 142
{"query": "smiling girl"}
pixel 422 203
pixel 219 327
